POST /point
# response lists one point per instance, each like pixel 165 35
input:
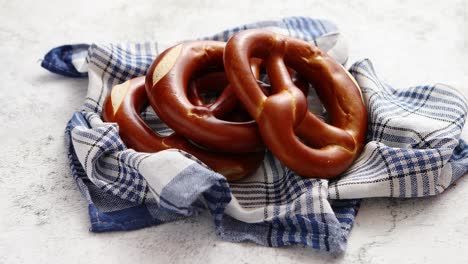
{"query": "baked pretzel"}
pixel 167 86
pixel 124 105
pixel 299 139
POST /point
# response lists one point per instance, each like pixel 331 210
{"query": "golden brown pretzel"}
pixel 299 139
pixel 123 106
pixel 167 86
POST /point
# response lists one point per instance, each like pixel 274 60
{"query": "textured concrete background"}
pixel 43 216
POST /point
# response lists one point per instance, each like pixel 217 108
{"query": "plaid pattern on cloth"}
pixel 413 150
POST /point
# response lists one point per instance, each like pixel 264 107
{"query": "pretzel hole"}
pixel 239 114
pixel 209 97
pixel 206 89
pixel 264 84
pixel 155 123
pixel 315 105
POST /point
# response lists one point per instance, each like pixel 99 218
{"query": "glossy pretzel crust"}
pixel 299 139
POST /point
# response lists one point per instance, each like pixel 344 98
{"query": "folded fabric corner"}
pixel 67 60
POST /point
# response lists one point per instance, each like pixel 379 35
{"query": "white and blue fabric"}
pixel 413 149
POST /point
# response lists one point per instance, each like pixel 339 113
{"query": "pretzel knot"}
pixel 299 139
pixel 124 105
pixel 182 108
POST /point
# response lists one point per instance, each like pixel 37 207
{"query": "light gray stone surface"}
pixel 43 216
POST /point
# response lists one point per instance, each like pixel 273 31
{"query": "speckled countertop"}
pixel 43 216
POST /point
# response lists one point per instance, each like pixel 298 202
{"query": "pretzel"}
pixel 299 139
pixel 124 105
pixel 167 86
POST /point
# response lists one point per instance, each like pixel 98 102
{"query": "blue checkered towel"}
pixel 413 150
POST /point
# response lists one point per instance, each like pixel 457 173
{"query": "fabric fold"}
pixel 412 135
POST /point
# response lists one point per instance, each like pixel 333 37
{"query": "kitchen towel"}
pixel 413 149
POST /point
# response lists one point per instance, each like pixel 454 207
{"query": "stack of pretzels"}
pixel 213 95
